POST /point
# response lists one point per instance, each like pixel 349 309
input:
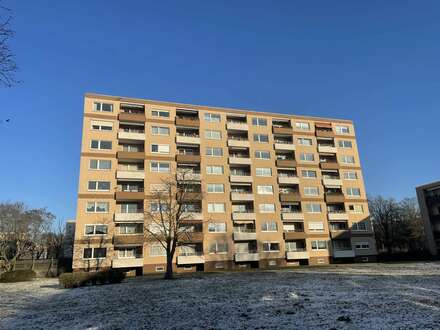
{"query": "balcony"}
pixel 188 139
pixel 290 197
pixel 329 165
pixel 325 133
pixel 132 117
pixel 288 179
pixel 188 158
pixel 246 256
pixel 190 259
pixel 130 155
pixel 337 215
pixel 242 197
pixel 131 136
pixel 130 195
pixel 128 262
pixel 294 235
pixel 194 237
pixel 191 196
pixel 331 182
pixel 334 197
pixel 129 217
pixel 243 216
pixel 282 130
pixel 240 161
pixel 295 255
pixel 188 176
pixel 187 121
pixel 132 239
pixel 137 175
pixel 284 146
pixel 238 143
pixel 343 253
pixel 327 149
pixel 188 216
pixel 245 236
pixel 340 234
pixel 292 216
pixel 287 163
pixel 241 178
pixel 237 126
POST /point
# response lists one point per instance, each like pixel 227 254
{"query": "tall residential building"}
pixel 429 202
pixel 278 190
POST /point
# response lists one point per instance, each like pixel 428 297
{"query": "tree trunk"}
pixel 169 271
pixel 33 262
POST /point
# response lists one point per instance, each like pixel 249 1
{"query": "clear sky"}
pixel 375 62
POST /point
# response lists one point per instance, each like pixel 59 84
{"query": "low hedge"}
pixel 77 279
pixel 21 275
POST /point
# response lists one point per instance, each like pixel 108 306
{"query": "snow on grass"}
pixel 369 296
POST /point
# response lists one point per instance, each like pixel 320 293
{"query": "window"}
pixel 160 268
pixel 160 148
pixel 342 129
pixel 158 187
pixel 157 250
pixel 96 230
pixel 347 159
pixel 259 121
pixel 311 191
pixel 212 117
pixel 99 185
pixel 217 227
pixel 129 208
pixel 267 208
pixel 216 188
pixel 100 164
pixel 95 253
pixel 354 192
pixel 308 174
pixel 345 144
pixel 271 246
pixel 129 253
pixel 362 245
pixel 264 171
pixel 214 152
pixel 351 175
pixel 307 157
pixel 305 142
pixel 101 125
pixel 101 144
pixel 262 154
pixel 312 208
pixel 160 167
pixel 262 138
pixel 319 245
pixel 97 207
pixel 216 207
pixel 269 226
pixel 214 170
pixel 130 228
pixel 356 208
pixel 102 107
pixel 359 226
pixel 316 226
pixel 160 113
pixel 218 247
pixel 156 207
pixel 265 190
pixel 213 135
pixel 159 130
pixel 302 126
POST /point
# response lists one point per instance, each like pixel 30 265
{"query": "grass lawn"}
pixel 368 296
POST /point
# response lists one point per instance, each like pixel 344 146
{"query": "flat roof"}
pixel 431 185
pixel 204 107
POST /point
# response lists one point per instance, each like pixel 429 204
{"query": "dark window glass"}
pixel 87 253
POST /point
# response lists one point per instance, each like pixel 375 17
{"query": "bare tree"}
pixel 167 216
pixel 7 63
pixel 40 223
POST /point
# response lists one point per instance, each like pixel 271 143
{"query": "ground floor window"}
pixel 94 253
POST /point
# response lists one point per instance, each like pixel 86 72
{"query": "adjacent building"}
pixel 429 202
pixel 278 190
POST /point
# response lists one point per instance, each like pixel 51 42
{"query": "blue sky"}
pixel 375 62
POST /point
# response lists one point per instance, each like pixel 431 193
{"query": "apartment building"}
pixel 278 190
pixel 429 202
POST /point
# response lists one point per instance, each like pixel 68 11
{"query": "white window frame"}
pixel 312 208
pixel 316 226
pixel 311 191
pixel 304 126
pixel 342 129
pixel 307 176
pixel 345 144
pixel 266 226
pixel 303 156
pixel 93 253
pixel 259 121
pixel 95 107
pixel 99 145
pixel 160 249
pixel 265 190
pixel 362 245
pixel 211 134
pixel 94 225
pixel 98 162
pixel 219 227
pixel 302 139
pixel 159 167
pixel 212 188
pixel 347 159
pixel 350 191
pixel 165 148
pixel 97 185
pixel 348 175
pixel 209 151
pixel 317 243
pixel 258 136
pixel 100 125
pixel 216 207
pixel 211 167
pixel 158 113
pixel 355 226
pixel 264 208
pixel 263 171
pixel 212 117
pixel 159 128
pixel 95 206
pixel 269 243
pixel 259 153
pixel 354 211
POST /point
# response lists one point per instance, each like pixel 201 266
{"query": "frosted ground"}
pixel 373 296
